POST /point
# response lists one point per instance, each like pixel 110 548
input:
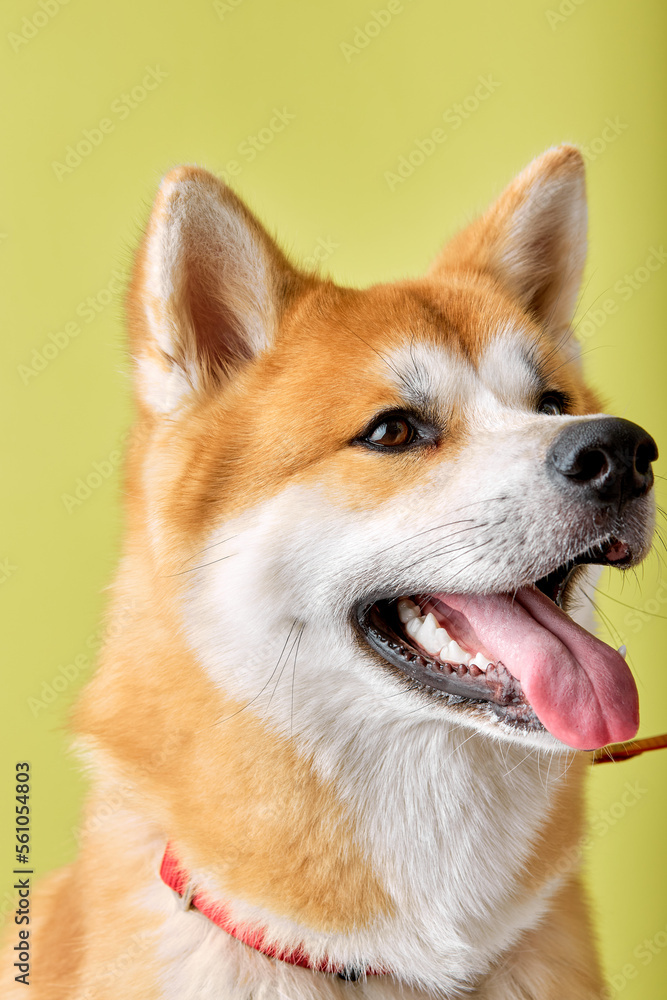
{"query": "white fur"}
pixel 406 765
pixel 541 253
pixel 197 224
pixel 447 802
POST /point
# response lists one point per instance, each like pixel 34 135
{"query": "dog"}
pixel 338 733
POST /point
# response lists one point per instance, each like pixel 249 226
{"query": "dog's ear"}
pixel 208 289
pixel 533 239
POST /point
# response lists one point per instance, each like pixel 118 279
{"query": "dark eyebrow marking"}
pixel 412 378
pixel 531 358
pixel 413 391
pixel 546 385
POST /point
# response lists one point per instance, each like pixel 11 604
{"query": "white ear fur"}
pixel 207 291
pixel 533 239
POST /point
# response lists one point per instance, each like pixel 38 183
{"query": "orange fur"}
pixel 241 801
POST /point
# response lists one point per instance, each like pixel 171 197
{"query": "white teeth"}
pixel 407 610
pixel 447 653
pixel 442 637
pixel 413 627
pixel 452 653
pixel 623 651
pixel 458 655
pixel 427 635
pixel 481 662
pixel 435 639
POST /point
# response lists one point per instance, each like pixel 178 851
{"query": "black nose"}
pixel 606 461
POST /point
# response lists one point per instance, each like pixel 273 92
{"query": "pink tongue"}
pixel 582 690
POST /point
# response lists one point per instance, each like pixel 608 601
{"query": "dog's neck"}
pixel 468 873
pixel 386 842
pixel 463 832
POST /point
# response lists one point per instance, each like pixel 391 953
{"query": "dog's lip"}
pixel 609 551
pixel 497 688
pixel 597 553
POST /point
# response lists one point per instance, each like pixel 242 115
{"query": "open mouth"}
pixel 520 655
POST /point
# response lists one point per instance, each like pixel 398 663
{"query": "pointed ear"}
pixel 533 239
pixel 208 290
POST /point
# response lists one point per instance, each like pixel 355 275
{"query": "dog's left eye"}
pixel 396 431
pixel 392 432
pixel 553 404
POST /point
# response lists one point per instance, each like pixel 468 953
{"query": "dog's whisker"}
pixel 611 628
pixel 282 669
pixel 221 541
pixel 451 541
pixel 632 607
pixel 571 329
pixel 296 654
pixel 475 732
pixel 583 354
pixel 399 375
pixel 426 531
pixel 193 569
pixel 264 687
pixel 447 524
pixel 522 761
pixel 447 551
pixel 481 544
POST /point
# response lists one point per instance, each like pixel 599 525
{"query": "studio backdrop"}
pixel 362 134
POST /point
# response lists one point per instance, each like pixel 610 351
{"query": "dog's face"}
pixel 383 501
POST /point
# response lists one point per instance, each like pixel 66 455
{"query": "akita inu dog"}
pixel 336 728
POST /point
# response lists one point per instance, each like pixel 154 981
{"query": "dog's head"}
pixel 383 501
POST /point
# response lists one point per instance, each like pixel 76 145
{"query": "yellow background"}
pixel 557 77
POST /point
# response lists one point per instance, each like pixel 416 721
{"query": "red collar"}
pixel 178 879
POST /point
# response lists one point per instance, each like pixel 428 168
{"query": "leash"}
pixel 624 751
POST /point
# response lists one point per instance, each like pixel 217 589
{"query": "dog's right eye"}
pixel 552 404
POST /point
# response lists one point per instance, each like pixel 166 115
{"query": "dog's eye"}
pixel 397 430
pixel 392 432
pixel 553 404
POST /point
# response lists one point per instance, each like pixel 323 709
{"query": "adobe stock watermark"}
pixel 102 469
pixel 68 673
pixel 224 7
pixel 364 34
pixel 31 26
pixel 644 952
pixel 323 249
pixel 121 109
pixel 57 341
pixel 613 127
pixel 119 795
pixel 7 570
pixel 624 289
pixel 454 117
pixel 605 819
pixel 248 150
pixel 86 485
pixel 599 826
pixel 651 608
pixel 565 9
pixel 105 975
